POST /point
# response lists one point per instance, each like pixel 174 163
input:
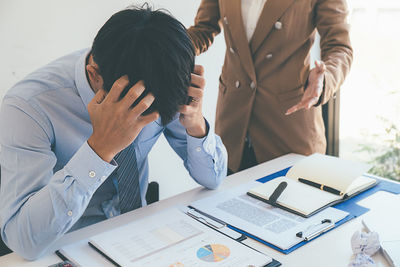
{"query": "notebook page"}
pixel 297 196
pixel 327 170
pixel 359 182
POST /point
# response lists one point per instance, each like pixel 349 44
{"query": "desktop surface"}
pixel 331 249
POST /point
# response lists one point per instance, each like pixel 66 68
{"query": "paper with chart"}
pixel 271 224
pixel 173 239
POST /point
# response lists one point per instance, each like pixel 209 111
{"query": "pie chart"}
pixel 213 253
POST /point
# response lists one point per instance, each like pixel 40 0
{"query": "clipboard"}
pixel 307 235
pixel 350 206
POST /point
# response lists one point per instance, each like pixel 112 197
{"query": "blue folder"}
pixel 350 206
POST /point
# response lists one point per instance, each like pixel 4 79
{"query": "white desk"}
pixel 332 249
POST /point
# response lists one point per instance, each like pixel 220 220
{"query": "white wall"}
pixel 32 33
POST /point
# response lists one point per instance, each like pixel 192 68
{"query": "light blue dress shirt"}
pixel 52 182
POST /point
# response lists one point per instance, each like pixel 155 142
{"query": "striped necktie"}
pixel 128 180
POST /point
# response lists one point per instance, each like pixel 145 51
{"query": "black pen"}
pixel 321 186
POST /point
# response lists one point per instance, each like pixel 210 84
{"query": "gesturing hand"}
pixel 191 116
pixel 314 88
pixel 115 123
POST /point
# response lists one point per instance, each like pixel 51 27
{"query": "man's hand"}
pixel 191 116
pixel 115 123
pixel 314 88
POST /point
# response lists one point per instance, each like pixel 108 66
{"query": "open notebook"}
pixel 314 183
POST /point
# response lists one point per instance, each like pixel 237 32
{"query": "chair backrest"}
pixel 4 250
pixel 153 193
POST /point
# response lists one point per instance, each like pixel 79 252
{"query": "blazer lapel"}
pixel 236 27
pixel 272 11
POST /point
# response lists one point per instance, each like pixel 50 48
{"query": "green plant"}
pixel 386 157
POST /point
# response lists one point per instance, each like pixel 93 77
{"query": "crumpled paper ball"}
pixel 364 245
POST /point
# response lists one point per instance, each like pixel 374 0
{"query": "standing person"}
pixel 269 101
pixel 76 133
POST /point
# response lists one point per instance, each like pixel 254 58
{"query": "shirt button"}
pixel 237 84
pixel 269 56
pixel 278 25
pixel 253 85
pixel 92 174
pixel 225 20
pixel 69 213
pixel 232 50
pixel 198 149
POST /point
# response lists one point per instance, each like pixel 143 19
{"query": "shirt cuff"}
pixel 88 168
pixel 204 144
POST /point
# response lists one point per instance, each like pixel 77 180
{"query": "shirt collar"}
pixel 82 84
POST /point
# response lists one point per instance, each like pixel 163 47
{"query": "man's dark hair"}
pixel 151 46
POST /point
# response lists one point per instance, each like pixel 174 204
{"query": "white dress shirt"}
pixel 251 11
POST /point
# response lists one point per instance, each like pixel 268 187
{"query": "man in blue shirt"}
pixel 76 133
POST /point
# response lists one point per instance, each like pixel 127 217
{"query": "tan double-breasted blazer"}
pixel 263 78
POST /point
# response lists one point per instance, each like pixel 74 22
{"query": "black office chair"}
pixel 153 193
pixel 4 250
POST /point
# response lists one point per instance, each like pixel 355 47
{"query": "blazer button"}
pixel 237 84
pixel 225 20
pixel 278 25
pixel 253 85
pixel 232 50
pixel 269 56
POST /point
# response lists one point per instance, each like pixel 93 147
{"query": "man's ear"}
pixel 95 79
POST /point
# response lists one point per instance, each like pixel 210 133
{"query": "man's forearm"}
pixel 41 217
pixel 207 162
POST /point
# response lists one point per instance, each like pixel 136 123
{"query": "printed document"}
pixel 271 224
pixel 174 239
